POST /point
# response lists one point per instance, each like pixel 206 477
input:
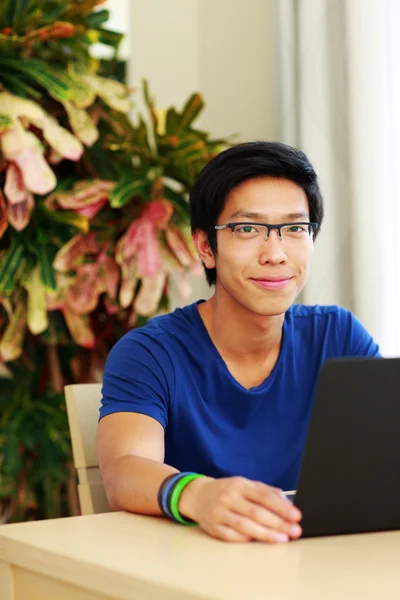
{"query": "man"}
pixel 224 388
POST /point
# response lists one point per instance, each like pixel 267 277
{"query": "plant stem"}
pixel 56 376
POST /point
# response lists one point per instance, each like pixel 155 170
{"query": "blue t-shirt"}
pixel 170 370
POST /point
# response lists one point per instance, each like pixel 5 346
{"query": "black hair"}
pixel 240 163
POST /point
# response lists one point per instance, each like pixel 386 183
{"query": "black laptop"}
pixel 350 475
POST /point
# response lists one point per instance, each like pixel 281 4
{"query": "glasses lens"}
pixel 297 232
pixel 250 232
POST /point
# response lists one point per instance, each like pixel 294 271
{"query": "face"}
pixel 264 277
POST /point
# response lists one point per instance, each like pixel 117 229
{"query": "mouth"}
pixel 272 283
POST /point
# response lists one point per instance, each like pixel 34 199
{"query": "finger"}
pixel 227 534
pixel 263 516
pixel 253 530
pixel 262 494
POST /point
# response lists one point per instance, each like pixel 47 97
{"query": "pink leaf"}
pixel 37 175
pixel 55 299
pixel 3 215
pixel 83 297
pixel 158 212
pixel 53 157
pixel 183 284
pixel 86 197
pixel 79 329
pixel 150 293
pixel 129 280
pixel 19 214
pixel 84 193
pixel 112 306
pixel 129 243
pixel 75 250
pixel 91 211
pixel 178 246
pixel 196 267
pixel 110 275
pixel 148 256
pixel 14 187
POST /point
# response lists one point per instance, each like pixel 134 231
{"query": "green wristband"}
pixel 176 493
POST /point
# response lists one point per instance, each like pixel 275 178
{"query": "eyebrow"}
pixel 260 216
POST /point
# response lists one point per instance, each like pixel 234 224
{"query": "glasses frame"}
pixel 269 226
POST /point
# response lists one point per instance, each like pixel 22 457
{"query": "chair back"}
pixel 83 403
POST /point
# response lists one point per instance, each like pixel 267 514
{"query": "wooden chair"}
pixel 83 402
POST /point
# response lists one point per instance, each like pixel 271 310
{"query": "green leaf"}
pixel 14 85
pixel 5 122
pixel 100 162
pixel 150 105
pixel 141 135
pixel 191 110
pixel 12 458
pixel 124 191
pixel 5 6
pixel 68 217
pixel 51 12
pixel 47 273
pixel 106 37
pixel 190 148
pixel 58 84
pixel 18 9
pixel 171 122
pixel 179 202
pixel 97 18
pixel 10 267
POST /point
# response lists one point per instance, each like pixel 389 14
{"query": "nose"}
pixel 273 250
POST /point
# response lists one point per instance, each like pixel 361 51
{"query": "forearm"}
pixel 132 483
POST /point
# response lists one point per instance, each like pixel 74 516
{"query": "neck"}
pixel 239 333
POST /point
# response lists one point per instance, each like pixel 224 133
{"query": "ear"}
pixel 204 251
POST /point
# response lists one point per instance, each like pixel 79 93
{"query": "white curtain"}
pixel 340 103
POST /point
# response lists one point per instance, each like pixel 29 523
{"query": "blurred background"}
pixel 317 74
pixel 96 167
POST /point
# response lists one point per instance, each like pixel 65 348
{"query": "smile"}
pixel 273 283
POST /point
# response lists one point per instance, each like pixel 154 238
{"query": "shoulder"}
pixel 337 328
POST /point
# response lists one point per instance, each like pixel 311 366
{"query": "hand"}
pixel 236 509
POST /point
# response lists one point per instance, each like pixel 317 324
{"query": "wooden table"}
pixel 130 557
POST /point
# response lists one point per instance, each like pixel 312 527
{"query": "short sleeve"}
pixel 358 342
pixel 138 377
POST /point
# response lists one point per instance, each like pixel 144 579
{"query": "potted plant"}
pixel 93 226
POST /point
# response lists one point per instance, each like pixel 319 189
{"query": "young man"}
pixel 224 388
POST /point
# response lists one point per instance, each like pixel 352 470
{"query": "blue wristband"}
pixel 166 493
pixel 164 496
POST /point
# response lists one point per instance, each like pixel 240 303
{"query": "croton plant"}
pixel 93 226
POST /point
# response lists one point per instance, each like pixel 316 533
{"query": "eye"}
pixel 246 229
pixel 296 229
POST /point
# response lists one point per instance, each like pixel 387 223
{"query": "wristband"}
pixel 163 505
pixel 175 494
pixel 169 493
pixel 165 491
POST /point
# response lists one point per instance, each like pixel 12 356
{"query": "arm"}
pixel 130 449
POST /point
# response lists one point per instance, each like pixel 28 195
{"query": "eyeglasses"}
pixel 258 233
